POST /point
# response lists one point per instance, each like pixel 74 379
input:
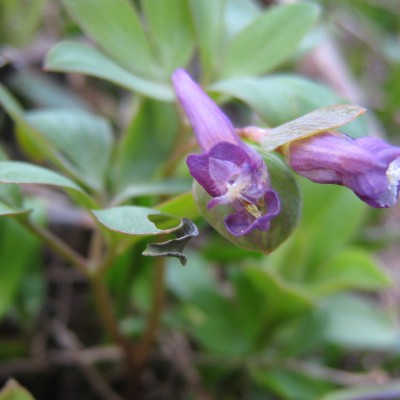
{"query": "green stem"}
pixel 56 244
pixel 143 347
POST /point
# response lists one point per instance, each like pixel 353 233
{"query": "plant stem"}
pixel 143 347
pixel 56 244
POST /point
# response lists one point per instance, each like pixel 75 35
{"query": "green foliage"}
pixel 14 391
pixel 268 41
pixel 287 323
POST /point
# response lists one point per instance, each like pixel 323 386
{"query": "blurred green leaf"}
pixel 116 28
pixel 225 325
pixel 351 268
pixel 19 20
pixel 282 225
pixel 331 217
pixel 269 40
pixel 7 210
pixel 14 262
pixel 81 141
pixel 280 98
pixel 208 19
pixel 357 323
pixel 389 390
pixel 75 57
pixel 187 283
pixel 25 173
pixel 168 186
pixel 320 120
pixel 169 27
pixel 14 391
pixel 43 91
pixel 238 15
pixel 180 206
pixel 290 385
pixel 153 126
pixel 30 140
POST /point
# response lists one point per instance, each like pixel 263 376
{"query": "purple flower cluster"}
pixel 235 175
pixel 230 172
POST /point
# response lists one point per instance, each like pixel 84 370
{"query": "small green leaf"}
pixel 269 40
pixel 289 384
pixel 75 57
pixel 321 120
pixel 349 269
pixel 129 220
pixel 117 29
pixel 174 247
pixel 80 140
pixel 12 390
pixel 168 186
pixel 25 173
pixel 169 23
pixel 389 390
pixel 282 180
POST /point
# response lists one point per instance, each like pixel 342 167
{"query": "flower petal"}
pixel 209 123
pixel 361 165
pixel 242 222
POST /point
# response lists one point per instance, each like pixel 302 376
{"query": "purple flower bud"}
pixel 369 166
pixel 229 171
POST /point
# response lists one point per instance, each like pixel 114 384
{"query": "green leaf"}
pixel 151 131
pixel 174 247
pixel 12 390
pixel 225 325
pixel 349 269
pixel 187 283
pixel 6 210
pixel 75 57
pixel 288 384
pixel 25 173
pixel 356 323
pixel 168 186
pixel 208 17
pixel 30 140
pixel 169 23
pixel 14 262
pixel 180 206
pixel 269 40
pixel 129 220
pixel 321 120
pixel 80 140
pixel 238 15
pixel 389 390
pixel 280 98
pixel 42 90
pixel 117 29
pixel 281 227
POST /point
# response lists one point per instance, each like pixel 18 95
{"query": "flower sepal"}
pixel 285 198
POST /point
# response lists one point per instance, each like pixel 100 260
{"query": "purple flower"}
pixel 232 173
pixel 369 166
